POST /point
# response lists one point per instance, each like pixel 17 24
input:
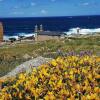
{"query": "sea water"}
pixel 68 24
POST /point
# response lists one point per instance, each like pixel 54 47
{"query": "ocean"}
pixel 16 26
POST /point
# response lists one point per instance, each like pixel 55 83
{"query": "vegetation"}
pixel 13 55
pixel 73 77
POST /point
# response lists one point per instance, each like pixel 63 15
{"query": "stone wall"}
pixel 46 37
pixel 1 32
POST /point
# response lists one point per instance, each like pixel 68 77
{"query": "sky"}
pixel 41 8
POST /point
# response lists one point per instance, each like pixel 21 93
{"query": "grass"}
pixel 11 56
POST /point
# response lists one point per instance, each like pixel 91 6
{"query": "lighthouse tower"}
pixel 41 28
pixel 36 32
pixel 36 28
pixel 78 30
pixel 1 32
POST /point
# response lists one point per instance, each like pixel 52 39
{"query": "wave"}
pixel 8 37
pixel 83 31
pixel 25 35
pixel 71 31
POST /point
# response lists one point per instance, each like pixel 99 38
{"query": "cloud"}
pixel 17 13
pixel 16 7
pixel 85 4
pixel 1 0
pixel 33 3
pixel 43 11
pixel 53 0
pixel 33 13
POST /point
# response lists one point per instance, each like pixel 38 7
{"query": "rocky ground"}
pixel 27 66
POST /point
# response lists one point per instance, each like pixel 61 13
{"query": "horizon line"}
pixel 49 16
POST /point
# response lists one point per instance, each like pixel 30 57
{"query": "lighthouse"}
pixel 36 32
pixel 78 30
pixel 41 28
pixel 36 28
pixel 1 32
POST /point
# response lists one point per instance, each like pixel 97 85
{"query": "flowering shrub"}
pixel 72 77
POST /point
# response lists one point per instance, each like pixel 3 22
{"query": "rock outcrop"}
pixel 27 66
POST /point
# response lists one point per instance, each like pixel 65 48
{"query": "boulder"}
pixel 27 66
pixel 26 56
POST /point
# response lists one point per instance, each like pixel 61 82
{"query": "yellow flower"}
pixel 54 63
pixel 7 96
pixel 53 77
pixel 83 97
pixel 78 87
pixel 93 96
pixel 28 98
pixel 81 61
pixel 44 71
pixel 86 83
pixel 97 89
pixel 98 59
pixel 59 84
pixel 50 82
pixel 55 80
pixel 72 97
pixel 90 76
pixel 49 96
pixel 21 77
pixel 71 77
pixel 88 97
pixel 97 76
pixel 58 59
pixel 64 92
pixel 20 95
pixel 46 97
pixel 84 71
pixel 71 72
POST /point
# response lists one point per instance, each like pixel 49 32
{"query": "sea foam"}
pixel 83 31
pixel 71 31
pixel 25 35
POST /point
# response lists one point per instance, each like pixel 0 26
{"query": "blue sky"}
pixel 37 8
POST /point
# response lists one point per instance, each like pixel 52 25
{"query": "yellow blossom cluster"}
pixel 65 78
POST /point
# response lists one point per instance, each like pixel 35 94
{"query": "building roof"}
pixel 50 33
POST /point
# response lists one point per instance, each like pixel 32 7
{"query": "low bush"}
pixel 73 77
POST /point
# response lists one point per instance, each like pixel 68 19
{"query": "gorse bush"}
pixel 74 77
